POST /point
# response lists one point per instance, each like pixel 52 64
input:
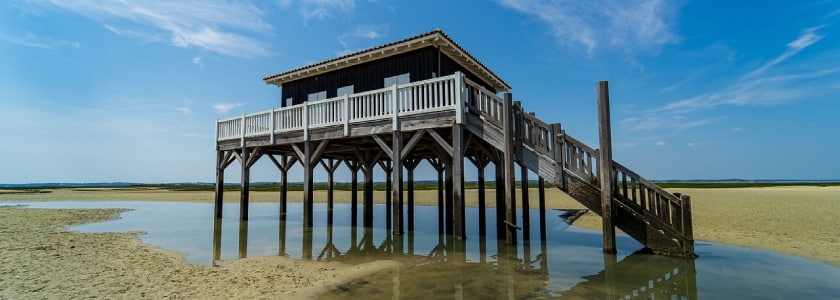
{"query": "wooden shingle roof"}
pixel 433 38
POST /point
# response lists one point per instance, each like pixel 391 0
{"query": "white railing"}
pixel 427 96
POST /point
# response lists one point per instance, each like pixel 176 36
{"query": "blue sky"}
pixel 94 91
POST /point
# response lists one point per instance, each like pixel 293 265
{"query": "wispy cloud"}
pixel 197 61
pixel 361 32
pixel 33 41
pixel 754 87
pixel 320 9
pixel 225 107
pixel 633 25
pixel 807 38
pixel 215 26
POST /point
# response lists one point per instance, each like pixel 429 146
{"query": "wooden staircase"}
pixel 656 218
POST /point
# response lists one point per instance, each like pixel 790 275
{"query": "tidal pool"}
pixel 553 260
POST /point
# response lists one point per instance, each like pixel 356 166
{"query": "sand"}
pixel 41 259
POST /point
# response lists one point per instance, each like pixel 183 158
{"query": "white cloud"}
pixel 633 25
pixel 361 32
pixel 690 144
pixel 753 88
pixel 807 38
pixel 210 25
pixel 185 110
pixel 197 61
pixel 225 107
pixel 737 129
pixel 33 41
pixel 320 9
pixel 660 143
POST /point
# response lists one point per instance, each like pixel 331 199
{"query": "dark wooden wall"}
pixel 424 63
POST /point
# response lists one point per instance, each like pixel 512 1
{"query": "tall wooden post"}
pixel 482 206
pixel 447 199
pixel 458 228
pixel 541 187
pixel 284 189
pixel 245 185
pixel 500 199
pixel 605 166
pixel 308 190
pixel 243 239
pixel 410 165
pixel 526 206
pixel 396 173
pixel 688 231
pixel 353 165
pixel 220 182
pixel 510 197
pixel 368 195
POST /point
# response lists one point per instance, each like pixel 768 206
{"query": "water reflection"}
pixel 479 267
pixel 558 261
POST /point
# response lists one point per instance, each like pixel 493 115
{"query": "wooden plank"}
pixel 412 142
pixel 605 167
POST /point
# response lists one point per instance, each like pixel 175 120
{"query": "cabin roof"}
pixel 433 38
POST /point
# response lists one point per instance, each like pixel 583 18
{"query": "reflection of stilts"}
pixel 330 250
pixel 243 239
pixel 217 241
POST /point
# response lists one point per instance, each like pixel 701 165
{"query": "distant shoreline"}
pixel 380 186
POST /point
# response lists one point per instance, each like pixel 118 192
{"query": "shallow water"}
pixel 568 262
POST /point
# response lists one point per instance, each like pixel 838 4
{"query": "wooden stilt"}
pixel 284 164
pixel 220 183
pixel 410 165
pixel 510 197
pixel 245 184
pixel 541 183
pixel 458 226
pixel 397 195
pixel 330 165
pixel 308 188
pixel 526 205
pixel 482 208
pixel 447 199
pixel 353 165
pixel 243 239
pixel 605 170
pixel 500 199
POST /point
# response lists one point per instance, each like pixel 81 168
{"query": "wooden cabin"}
pixel 425 98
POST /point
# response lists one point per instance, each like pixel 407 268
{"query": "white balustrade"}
pixel 432 95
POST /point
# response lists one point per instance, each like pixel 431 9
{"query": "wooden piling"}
pixel 220 183
pixel 245 184
pixel 458 226
pixel 605 166
pixel 396 173
pixel 510 198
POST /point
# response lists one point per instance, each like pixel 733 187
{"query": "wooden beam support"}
pixel 412 142
pixel 410 165
pixel 221 158
pixel 444 145
pixel 396 193
pixel 510 194
pixel 308 190
pixel 384 146
pixel 330 166
pixel 605 166
pixel 245 184
pixel 459 225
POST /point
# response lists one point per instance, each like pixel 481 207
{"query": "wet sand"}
pixel 41 259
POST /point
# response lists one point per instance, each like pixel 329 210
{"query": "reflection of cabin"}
pixel 425 99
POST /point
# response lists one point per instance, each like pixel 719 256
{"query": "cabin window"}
pixel 289 102
pixel 399 79
pixel 345 90
pixel 317 96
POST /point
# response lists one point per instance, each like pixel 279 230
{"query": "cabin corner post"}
pixel 458 226
pixel 396 176
pixel 605 168
pixel 220 183
pixel 510 197
pixel 245 184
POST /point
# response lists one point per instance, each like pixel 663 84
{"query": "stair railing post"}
pixel 605 166
pixel 688 231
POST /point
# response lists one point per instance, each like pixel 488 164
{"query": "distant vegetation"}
pixel 379 186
